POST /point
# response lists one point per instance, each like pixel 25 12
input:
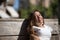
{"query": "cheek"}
pixel 41 18
pixel 36 18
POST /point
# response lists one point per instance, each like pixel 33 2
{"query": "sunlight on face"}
pixel 39 17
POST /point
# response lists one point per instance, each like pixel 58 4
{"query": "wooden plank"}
pixel 9 38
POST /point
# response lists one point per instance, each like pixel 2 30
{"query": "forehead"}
pixel 37 13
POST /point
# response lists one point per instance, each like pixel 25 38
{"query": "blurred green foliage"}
pixel 24 13
pixel 47 12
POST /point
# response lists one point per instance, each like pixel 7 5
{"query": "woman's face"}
pixel 38 17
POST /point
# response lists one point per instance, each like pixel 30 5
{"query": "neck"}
pixel 39 24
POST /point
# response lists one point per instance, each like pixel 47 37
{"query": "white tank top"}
pixel 44 33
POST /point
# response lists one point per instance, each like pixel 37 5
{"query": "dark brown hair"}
pixel 32 22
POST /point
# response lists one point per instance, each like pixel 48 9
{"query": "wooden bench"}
pixel 10 28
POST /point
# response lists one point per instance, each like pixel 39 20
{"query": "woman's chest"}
pixel 43 31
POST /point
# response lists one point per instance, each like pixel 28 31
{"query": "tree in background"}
pixel 48 12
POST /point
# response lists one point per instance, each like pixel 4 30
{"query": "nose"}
pixel 40 17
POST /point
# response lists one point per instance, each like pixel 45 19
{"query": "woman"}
pixel 36 27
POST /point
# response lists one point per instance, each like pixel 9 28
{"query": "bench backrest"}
pixel 10 28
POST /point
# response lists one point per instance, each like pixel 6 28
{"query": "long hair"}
pixel 32 22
